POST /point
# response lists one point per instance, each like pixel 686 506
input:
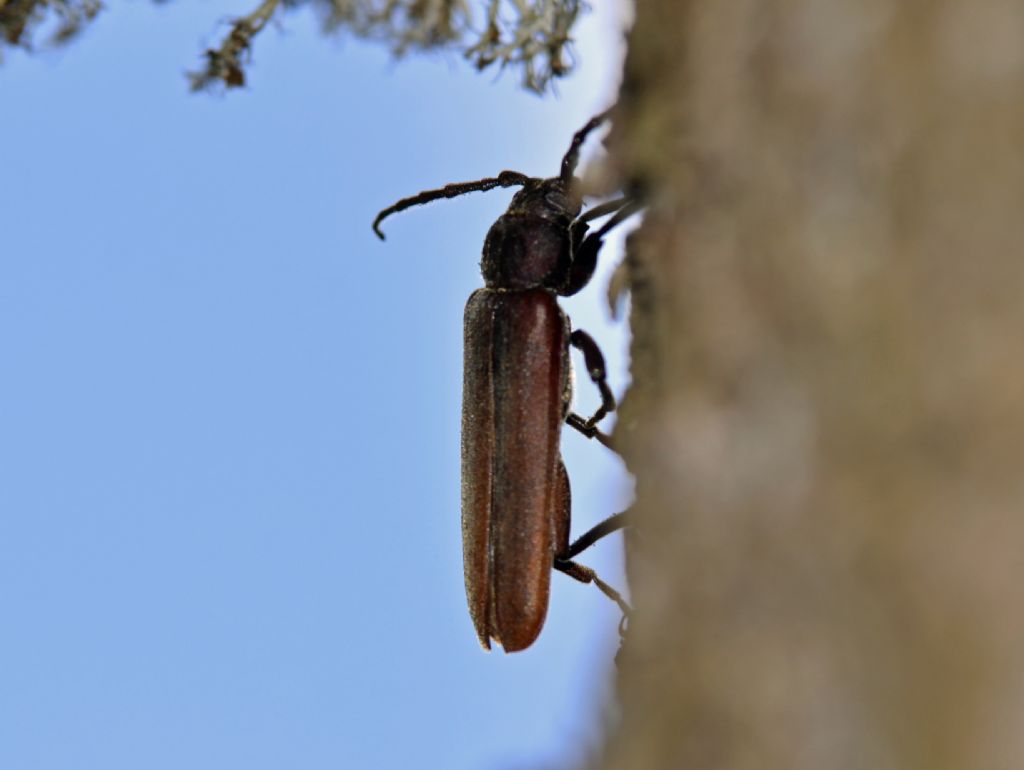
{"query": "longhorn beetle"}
pixel 517 392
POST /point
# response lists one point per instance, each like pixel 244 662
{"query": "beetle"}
pixel 517 393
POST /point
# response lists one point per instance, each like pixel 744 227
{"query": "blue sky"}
pixel 229 450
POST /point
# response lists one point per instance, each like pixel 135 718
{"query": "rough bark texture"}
pixel 827 421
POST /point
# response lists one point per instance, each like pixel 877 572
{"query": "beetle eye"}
pixel 557 200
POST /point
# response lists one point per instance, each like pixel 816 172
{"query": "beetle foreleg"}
pixel 585 249
pixel 600 210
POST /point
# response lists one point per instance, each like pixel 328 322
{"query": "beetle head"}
pixel 529 245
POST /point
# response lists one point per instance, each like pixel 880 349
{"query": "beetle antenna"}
pixel 572 157
pixel 504 179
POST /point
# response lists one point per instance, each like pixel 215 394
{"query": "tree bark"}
pixel 827 416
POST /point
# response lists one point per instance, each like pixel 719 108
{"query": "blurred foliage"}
pixel 19 19
pixel 530 36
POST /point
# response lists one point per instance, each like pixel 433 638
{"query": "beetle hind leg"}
pixel 563 562
pixel 595 533
pixel 587 575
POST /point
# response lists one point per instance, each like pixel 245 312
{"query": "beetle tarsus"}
pixel 589 430
pixel 587 575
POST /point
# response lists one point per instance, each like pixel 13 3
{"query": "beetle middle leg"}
pixel 594 361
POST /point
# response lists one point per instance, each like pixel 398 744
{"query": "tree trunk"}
pixel 827 420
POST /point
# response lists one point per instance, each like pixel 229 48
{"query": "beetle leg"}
pixel 563 561
pixel 602 209
pixel 587 575
pixel 577 422
pixel 585 249
pixel 581 266
pixel 595 533
pixel 594 361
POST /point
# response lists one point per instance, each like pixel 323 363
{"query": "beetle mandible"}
pixel 517 393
